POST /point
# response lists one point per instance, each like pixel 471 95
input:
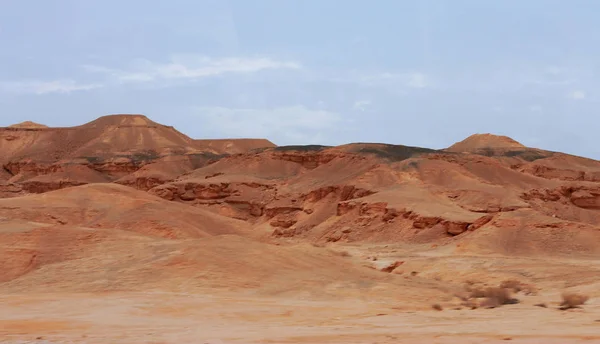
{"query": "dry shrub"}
pixel 470 282
pixel 478 292
pixel 572 300
pixel 462 295
pixel 341 253
pixel 515 285
pixel 437 307
pixel 495 297
pixel 472 304
pixel 489 303
pixel 500 294
pixel 529 289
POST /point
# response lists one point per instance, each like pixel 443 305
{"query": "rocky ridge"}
pixel 355 192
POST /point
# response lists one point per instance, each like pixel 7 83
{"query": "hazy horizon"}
pixel 417 73
pixel 227 138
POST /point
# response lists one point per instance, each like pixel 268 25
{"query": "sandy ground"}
pixel 183 318
pixel 217 316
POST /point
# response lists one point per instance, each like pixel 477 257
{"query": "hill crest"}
pixel 28 125
pixel 483 141
pixel 234 146
pixel 129 120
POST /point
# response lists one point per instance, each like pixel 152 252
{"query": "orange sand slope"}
pixel 362 192
pixel 126 206
pixel 115 146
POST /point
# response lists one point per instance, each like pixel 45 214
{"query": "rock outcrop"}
pixel 354 192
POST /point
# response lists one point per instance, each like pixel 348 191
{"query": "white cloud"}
pixel 418 80
pixel 191 67
pixel 577 95
pixel 283 125
pixel 45 87
pixel 361 105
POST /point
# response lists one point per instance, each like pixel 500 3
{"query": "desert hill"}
pixel 352 193
pixel 115 206
pixel 109 237
pixel 107 137
pixel 132 134
pixel 38 158
pixel 477 142
pixel 384 193
pixel 28 125
pixel 126 206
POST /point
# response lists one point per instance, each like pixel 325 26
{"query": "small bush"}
pixel 472 304
pixel 572 300
pixel 515 285
pixel 470 282
pixel 462 295
pixel 437 307
pixel 490 303
pixel 502 295
pixel 478 293
pixel 492 296
pixel 496 297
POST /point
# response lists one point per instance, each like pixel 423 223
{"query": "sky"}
pixel 421 73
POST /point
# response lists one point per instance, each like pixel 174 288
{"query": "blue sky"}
pixel 422 73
